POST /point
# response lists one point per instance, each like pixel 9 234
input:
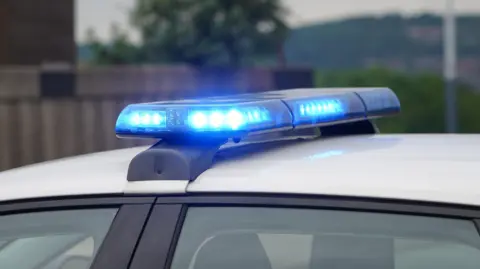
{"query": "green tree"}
pixel 117 52
pixel 209 32
pixel 421 97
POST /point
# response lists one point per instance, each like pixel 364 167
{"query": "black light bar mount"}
pixel 174 160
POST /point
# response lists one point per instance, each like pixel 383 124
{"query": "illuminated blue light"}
pixel 331 108
pixel 146 119
pixel 321 108
pixel 199 120
pixel 240 115
pixel 217 119
pixel 235 119
pixel 165 119
pixel 230 119
pixel 135 119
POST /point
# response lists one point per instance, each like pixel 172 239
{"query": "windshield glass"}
pixel 275 238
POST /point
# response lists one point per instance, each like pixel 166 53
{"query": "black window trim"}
pixel 477 224
pixel 327 202
pixel 71 202
pixel 119 246
pixel 159 239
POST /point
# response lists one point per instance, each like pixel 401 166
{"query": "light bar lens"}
pixel 379 101
pixel 158 119
pixel 240 115
pixel 228 119
pixel 326 108
pixel 148 119
pixel 331 108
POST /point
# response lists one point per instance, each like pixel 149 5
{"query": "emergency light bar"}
pixel 241 115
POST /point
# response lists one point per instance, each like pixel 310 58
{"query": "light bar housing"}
pixel 241 115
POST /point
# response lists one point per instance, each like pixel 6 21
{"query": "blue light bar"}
pixel 240 115
pixel 224 119
pixel 320 110
pixel 379 101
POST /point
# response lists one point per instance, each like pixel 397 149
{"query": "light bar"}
pixel 224 119
pixel 240 115
pixel 333 107
pixel 379 101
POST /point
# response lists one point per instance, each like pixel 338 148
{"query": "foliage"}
pixel 421 96
pixel 119 51
pixel 352 42
pixel 208 32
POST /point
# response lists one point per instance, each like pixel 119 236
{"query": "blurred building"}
pixel 34 32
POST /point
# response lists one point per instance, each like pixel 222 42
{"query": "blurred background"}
pixel 67 67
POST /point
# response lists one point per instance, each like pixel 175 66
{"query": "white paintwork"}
pixel 96 173
pixel 440 168
pixel 163 187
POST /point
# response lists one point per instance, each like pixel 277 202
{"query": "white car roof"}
pixel 436 168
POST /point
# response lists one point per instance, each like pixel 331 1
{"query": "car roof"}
pixel 431 168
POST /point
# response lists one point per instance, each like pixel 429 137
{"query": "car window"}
pixel 276 238
pixel 53 240
pixel 3 243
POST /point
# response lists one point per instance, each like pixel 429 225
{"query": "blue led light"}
pixel 318 111
pixel 321 108
pixel 235 119
pixel 199 120
pixel 332 107
pixel 160 119
pixel 227 119
pixel 146 119
pixel 233 116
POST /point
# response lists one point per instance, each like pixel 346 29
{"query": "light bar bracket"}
pixel 173 160
pixel 350 128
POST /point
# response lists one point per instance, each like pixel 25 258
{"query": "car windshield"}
pixel 52 240
pixel 275 238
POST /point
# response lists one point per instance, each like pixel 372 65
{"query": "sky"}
pixel 100 14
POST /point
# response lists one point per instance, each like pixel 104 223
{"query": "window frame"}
pixel 132 215
pixel 156 246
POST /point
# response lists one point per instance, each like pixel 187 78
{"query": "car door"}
pixel 275 232
pixel 71 233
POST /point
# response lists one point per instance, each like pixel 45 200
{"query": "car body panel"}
pixel 98 173
pixel 437 168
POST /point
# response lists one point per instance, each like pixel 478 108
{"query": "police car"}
pixel 294 179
